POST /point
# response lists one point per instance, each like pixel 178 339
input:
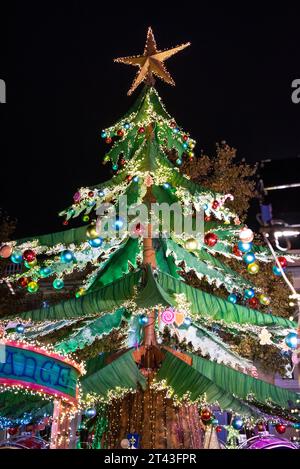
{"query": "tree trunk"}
pixel 154 417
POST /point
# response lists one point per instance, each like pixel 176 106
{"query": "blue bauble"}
pixel 126 125
pixel 249 293
pixel 237 423
pixel 90 413
pixel 205 207
pixel 166 185
pixel 67 256
pixel 143 320
pixel 232 298
pixel 185 145
pixel 187 322
pixel 296 425
pixel 276 270
pixel 58 284
pixel 215 422
pixel 249 257
pixel 179 161
pixel 118 224
pixel 20 328
pixel 291 340
pixel 101 193
pixel 244 247
pixel 16 258
pixel 175 130
pixel 115 167
pixel 103 134
pixel 45 272
pixel 136 179
pixel 96 242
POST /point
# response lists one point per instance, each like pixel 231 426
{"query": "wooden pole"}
pixel 149 259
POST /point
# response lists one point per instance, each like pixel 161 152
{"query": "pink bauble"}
pixel 5 251
pixel 295 358
pixel 168 316
pixel 77 197
pixel 246 235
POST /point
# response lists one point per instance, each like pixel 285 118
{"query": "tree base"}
pixel 153 416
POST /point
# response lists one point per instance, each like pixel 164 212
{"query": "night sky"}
pixel 233 83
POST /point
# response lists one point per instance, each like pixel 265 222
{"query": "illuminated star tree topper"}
pixel 151 62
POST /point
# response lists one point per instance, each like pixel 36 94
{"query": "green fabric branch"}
pixel 122 372
pixel 184 378
pixel 118 264
pixel 88 333
pixel 205 304
pixel 107 298
pixel 204 264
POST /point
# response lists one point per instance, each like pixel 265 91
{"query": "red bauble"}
pixel 138 229
pixel 122 162
pixel 207 218
pixel 218 428
pixel 185 138
pixel 108 140
pixel 12 431
pixel 261 427
pixel 282 261
pixel 91 194
pixel 128 178
pixel 253 302
pixel 120 133
pixel 205 415
pixel 280 428
pixel 173 124
pixel 141 130
pixel 65 222
pixel 23 282
pixel 236 251
pixel 215 204
pixel 210 239
pixel 29 255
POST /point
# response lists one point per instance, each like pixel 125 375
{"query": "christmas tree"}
pixel 168 361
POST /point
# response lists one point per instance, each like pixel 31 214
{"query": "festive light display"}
pixel 129 300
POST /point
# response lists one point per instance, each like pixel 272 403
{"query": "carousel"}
pixel 37 385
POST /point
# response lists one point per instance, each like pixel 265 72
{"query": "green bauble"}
pixel 58 284
pixel 45 272
pixel 80 292
pixel 32 287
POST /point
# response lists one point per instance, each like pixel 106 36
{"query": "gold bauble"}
pixel 191 244
pixel 92 232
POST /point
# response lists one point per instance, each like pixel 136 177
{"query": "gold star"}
pixel 151 62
